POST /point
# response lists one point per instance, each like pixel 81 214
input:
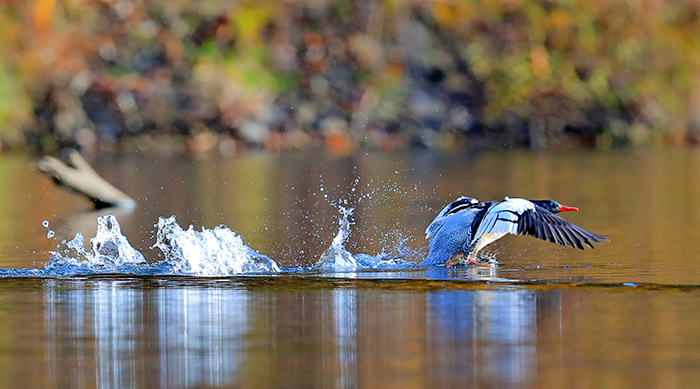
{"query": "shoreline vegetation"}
pixel 209 76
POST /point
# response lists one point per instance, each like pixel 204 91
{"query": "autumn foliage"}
pixel 341 75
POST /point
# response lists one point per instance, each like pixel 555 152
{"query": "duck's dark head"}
pixel 553 206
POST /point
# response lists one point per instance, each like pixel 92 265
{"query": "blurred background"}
pixel 220 76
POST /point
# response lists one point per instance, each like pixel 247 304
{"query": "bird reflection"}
pixel 483 335
pixel 493 332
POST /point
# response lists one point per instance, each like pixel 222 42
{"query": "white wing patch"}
pixel 502 218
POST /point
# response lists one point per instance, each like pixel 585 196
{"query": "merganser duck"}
pixel 467 225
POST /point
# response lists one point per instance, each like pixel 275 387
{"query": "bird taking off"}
pixel 467 225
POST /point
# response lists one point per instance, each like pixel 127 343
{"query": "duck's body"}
pixel 467 225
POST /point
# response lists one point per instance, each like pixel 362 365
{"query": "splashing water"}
pixel 338 259
pixel 110 251
pixel 216 252
pixel 49 232
pixel 208 252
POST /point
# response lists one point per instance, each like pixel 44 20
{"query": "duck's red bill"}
pixel 564 208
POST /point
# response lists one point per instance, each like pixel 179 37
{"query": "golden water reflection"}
pixel 287 331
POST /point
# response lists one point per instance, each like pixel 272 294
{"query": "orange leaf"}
pixel 42 13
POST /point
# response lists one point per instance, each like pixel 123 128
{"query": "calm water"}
pixel 624 314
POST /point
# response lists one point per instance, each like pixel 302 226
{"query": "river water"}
pixel 300 271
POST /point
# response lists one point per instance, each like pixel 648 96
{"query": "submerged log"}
pixel 80 177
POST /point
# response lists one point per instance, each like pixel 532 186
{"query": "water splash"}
pixel 215 252
pixel 110 252
pixel 208 252
pixel 49 232
pixel 338 259
pixel 219 251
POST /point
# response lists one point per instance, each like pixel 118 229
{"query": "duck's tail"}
pixel 436 258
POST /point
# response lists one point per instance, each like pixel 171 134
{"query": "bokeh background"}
pixel 218 76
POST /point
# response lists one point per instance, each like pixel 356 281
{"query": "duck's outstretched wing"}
pixel 522 217
pixel 542 224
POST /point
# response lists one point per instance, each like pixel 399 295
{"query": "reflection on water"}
pixel 119 335
pixel 345 327
pixel 293 332
pixel 199 334
pixel 191 336
pixel 494 331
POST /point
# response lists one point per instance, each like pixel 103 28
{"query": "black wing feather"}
pixel 542 224
pixel 565 239
pixel 485 206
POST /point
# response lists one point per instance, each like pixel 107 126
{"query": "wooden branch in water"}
pixel 80 177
